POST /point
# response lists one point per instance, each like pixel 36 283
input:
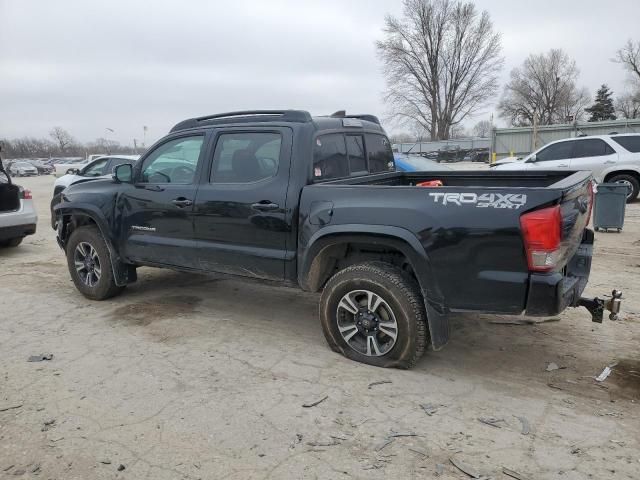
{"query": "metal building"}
pixel 519 141
pixel 426 147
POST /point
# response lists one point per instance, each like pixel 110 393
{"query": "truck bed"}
pixel 469 228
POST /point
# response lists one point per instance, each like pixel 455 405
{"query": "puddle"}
pixel 160 308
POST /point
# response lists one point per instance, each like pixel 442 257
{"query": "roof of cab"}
pixel 338 120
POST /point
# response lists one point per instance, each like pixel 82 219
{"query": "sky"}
pixel 91 66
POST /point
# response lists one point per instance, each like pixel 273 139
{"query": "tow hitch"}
pixel 597 306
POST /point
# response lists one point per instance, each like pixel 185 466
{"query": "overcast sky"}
pixel 121 64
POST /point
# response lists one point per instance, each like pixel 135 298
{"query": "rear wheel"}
pixel 12 242
pixel 89 264
pixel 631 181
pixel 373 313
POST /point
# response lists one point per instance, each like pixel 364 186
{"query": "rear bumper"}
pixel 549 294
pixel 17 231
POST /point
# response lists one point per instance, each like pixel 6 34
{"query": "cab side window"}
pixel 330 157
pixel 557 151
pixel 173 162
pixel 246 157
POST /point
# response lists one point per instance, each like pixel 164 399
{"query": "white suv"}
pixel 611 158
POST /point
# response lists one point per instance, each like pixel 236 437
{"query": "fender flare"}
pixel 395 237
pixel 120 270
pixel 618 168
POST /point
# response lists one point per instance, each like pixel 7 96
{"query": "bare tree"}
pixel 62 138
pixel 628 105
pixel 482 129
pixel 629 57
pixel 458 131
pixel 544 86
pixel 441 63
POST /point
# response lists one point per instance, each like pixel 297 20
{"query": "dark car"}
pixel 315 202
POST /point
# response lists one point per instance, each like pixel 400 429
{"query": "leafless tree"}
pixel 629 57
pixel 482 129
pixel 401 138
pixel 441 62
pixel 628 105
pixel 458 131
pixel 544 86
pixel 62 138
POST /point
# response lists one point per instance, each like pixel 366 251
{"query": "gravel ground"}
pixel 187 377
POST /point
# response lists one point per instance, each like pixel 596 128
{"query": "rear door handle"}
pixel 609 162
pixel 563 165
pixel 182 202
pixel 265 206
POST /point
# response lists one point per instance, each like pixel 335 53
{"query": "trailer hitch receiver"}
pixel 597 306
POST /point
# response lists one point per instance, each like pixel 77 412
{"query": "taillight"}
pixel 26 194
pixel 541 231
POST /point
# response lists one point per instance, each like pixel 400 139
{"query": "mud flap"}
pixel 438 322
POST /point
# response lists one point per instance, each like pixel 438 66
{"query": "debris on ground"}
pixel 11 407
pixel 464 468
pixel 121 467
pixel 318 402
pixel 606 372
pixel 429 408
pixel 48 424
pixel 332 443
pixel 382 382
pixel 439 469
pixel 391 437
pixel 522 321
pixel 9 468
pixel 526 428
pixel 19 472
pixel 513 474
pixel 552 366
pixel 40 358
pixel 105 461
pixel 491 421
pixel 420 452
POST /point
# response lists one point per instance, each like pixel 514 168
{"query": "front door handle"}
pixel 182 202
pixel 265 206
pixel 563 165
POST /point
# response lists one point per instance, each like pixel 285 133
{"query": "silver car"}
pixel 23 169
pixel 18 216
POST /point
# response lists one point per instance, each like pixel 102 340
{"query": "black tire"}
pixel 630 179
pixel 399 291
pixel 105 286
pixel 12 242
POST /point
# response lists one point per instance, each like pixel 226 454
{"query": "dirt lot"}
pixel 192 377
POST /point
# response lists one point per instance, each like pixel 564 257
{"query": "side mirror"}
pixel 532 159
pixel 73 171
pixel 123 173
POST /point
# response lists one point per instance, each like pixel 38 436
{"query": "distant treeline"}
pixel 61 144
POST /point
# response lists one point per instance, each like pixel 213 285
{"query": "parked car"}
pixel 611 158
pixel 17 213
pixel 450 153
pixel 315 202
pixel 23 169
pixel 417 163
pixel 98 168
pixel 63 166
pixel 42 167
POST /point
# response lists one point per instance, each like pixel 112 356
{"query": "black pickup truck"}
pixel 316 202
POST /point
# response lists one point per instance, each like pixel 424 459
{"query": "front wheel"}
pixel 631 181
pixel 374 313
pixel 89 264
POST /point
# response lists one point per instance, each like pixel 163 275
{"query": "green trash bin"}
pixel 609 206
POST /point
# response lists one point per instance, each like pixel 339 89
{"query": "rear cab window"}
pixel 630 143
pixel 338 155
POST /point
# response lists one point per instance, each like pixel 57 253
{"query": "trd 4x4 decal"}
pixel 494 200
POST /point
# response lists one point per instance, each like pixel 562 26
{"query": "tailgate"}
pixel 575 208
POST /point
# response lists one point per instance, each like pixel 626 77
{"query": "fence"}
pixel 519 141
pixel 425 147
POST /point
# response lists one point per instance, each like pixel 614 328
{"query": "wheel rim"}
pixel 628 184
pixel 87 264
pixel 367 323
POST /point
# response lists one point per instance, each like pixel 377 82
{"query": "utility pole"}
pixel 534 140
pixel 144 136
pixel 135 146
